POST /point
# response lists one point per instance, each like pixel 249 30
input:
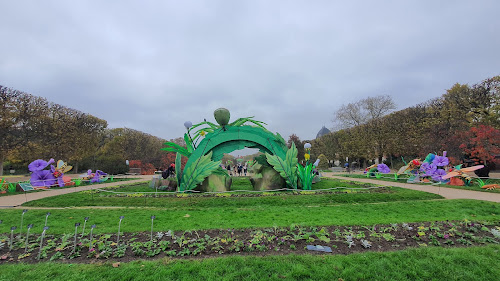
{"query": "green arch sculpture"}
pixel 235 138
pixel 204 160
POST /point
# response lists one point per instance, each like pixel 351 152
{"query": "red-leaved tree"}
pixel 482 144
pixel 146 168
pixel 169 158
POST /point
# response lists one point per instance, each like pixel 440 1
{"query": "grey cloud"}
pixel 151 65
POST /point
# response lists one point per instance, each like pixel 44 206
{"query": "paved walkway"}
pixel 446 192
pixel 17 200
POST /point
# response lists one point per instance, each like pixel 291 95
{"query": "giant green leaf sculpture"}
pixel 286 167
pixel 177 148
pixel 178 171
pixel 195 174
pixel 305 175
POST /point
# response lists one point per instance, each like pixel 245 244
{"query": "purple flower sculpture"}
pixel 438 175
pixel 97 175
pixel 424 166
pixel 440 161
pixel 42 178
pixel 383 168
pixel 39 165
pixel 428 169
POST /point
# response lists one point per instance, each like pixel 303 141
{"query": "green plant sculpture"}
pixel 209 143
pixel 286 167
pixel 195 174
pixel 305 172
pixel 305 175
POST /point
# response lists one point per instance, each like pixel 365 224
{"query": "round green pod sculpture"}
pixel 222 116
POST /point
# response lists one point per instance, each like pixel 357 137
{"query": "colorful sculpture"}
pixel 307 173
pixel 3 186
pixel 458 176
pixel 58 172
pixel 97 177
pixel 210 142
pixel 375 170
pixel 42 178
pixel 491 186
pixel 431 169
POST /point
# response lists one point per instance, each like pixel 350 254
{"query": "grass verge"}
pixel 353 195
pixel 474 263
pixel 138 219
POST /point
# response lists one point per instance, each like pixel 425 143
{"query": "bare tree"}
pixel 360 112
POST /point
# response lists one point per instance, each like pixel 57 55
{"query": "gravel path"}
pixel 16 200
pixel 446 192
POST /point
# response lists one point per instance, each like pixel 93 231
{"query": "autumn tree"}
pixel 19 114
pixel 327 145
pixel 481 144
pixel 323 162
pixel 88 133
pixel 487 96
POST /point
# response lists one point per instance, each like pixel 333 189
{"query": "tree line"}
pixel 465 122
pixel 32 128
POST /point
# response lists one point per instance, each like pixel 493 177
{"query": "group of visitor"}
pixel 236 170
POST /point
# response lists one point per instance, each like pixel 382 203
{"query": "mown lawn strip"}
pixel 475 263
pixel 138 219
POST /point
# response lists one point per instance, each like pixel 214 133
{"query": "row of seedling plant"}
pixel 19 239
pixel 279 239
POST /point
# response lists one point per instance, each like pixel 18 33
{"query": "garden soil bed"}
pixel 257 242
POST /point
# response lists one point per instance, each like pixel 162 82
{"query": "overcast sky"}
pixel 151 65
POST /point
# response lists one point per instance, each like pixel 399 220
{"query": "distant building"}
pixel 323 132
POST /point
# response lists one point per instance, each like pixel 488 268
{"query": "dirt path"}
pixel 446 192
pixel 17 200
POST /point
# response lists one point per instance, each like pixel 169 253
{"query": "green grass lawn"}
pixel 138 219
pixel 474 263
pixel 355 208
pixel 403 178
pixel 355 194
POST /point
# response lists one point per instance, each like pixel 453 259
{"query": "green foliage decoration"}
pixel 221 172
pixel 305 175
pixel 176 148
pixel 195 174
pixel 203 131
pixel 178 172
pixel 241 121
pixel 286 167
pixel 189 144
